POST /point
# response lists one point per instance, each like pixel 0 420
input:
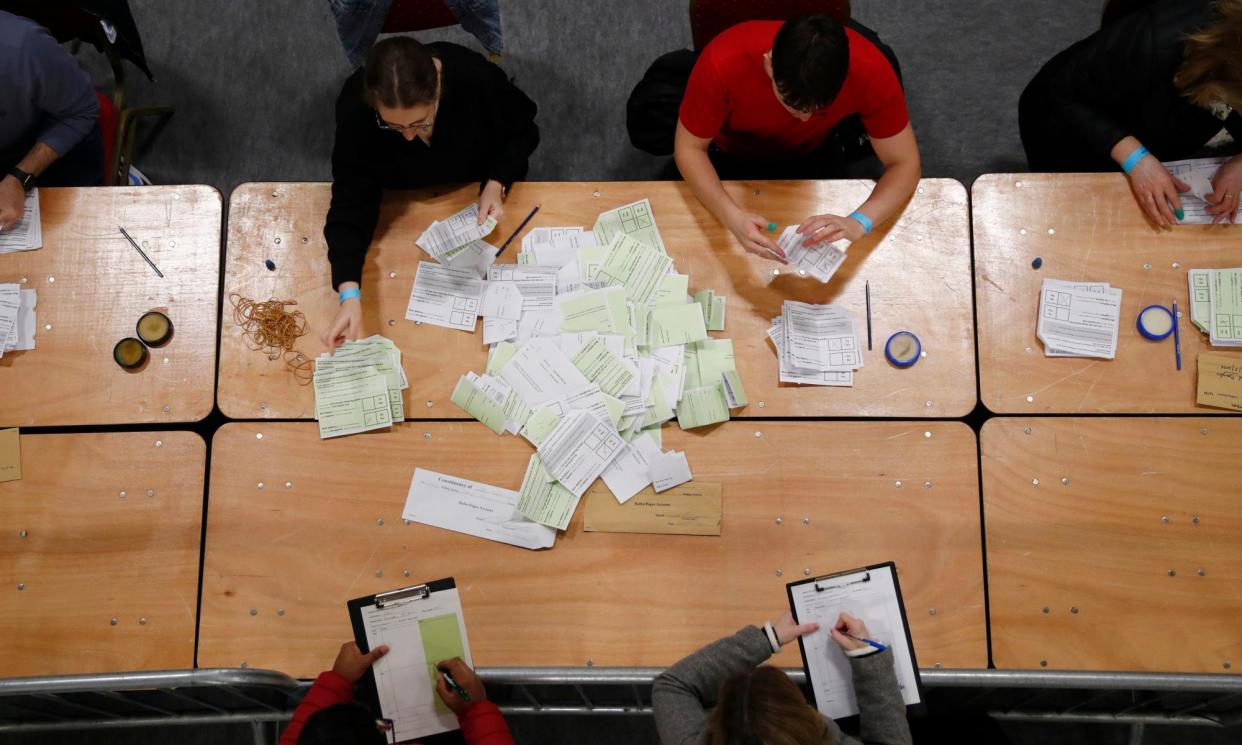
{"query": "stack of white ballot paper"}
pixel 1079 319
pixel 816 344
pixel 1216 304
pixel 17 318
pixel 594 344
pixel 820 261
pixel 1197 173
pixel 358 388
pixel 27 233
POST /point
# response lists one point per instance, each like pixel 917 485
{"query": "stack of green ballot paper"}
pixel 594 367
pixel 1216 304
pixel 358 388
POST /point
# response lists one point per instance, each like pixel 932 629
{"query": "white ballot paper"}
pixel 537 284
pixel 27 233
pixel 579 450
pixel 1078 319
pixel 870 595
pixel 820 337
pixel 540 372
pixel 669 470
pixel 501 299
pixel 440 239
pixel 1198 174
pixel 443 296
pixel 22 336
pixel 472 508
pixel 630 472
pixel 820 261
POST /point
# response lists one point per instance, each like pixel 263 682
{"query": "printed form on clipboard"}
pixel 422 626
pixel 871 594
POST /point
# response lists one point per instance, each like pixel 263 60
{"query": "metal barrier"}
pixel 265 697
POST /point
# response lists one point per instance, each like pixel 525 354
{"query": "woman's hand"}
pixel 1156 189
pixel 347 325
pixel 821 228
pixel 750 230
pixel 351 664
pixel 846 629
pixel 1226 190
pixel 786 630
pixel 492 201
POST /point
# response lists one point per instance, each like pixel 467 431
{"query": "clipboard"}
pixel 422 625
pixel 874 594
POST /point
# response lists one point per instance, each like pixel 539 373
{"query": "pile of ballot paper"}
pixel 358 388
pixel 17 318
pixel 819 260
pixel 27 233
pixel 816 344
pixel 1216 304
pixel 1079 319
pixel 595 343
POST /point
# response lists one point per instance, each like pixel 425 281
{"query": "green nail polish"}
pixel 1181 215
pixel 771 227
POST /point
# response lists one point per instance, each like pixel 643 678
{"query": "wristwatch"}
pixel 27 180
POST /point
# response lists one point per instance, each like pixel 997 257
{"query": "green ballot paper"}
pixel 543 499
pixel 602 367
pixel 700 407
pixel 675 324
pixel 479 405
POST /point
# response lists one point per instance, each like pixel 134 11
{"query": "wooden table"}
pixel 919 270
pixel 1114 544
pixel 99 553
pixel 1085 227
pixel 297 526
pixel 93 286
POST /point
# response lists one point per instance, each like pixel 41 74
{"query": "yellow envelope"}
pixel 689 509
pixel 1220 381
pixel 10 455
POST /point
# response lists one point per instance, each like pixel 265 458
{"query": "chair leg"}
pixel 127 133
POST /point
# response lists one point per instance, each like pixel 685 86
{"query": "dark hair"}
pixel 342 724
pixel 399 74
pixel 764 707
pixel 810 59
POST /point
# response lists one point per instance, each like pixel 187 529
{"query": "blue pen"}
pixel 1177 337
pixel 877 645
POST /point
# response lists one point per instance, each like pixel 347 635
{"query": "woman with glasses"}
pixel 417 115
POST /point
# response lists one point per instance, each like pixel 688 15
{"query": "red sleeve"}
pixel 329 689
pixel 883 103
pixel 483 724
pixel 705 105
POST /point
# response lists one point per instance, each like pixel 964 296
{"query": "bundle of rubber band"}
pixel 269 328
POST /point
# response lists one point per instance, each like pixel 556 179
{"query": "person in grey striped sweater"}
pixel 723 694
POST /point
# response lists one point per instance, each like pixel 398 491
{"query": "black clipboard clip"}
pixel 403 596
pixel 865 578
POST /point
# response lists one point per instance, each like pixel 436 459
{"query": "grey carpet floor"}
pixel 254 82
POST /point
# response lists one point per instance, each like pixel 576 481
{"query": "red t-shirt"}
pixel 730 99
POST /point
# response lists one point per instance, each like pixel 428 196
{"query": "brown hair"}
pixel 1212 69
pixel 764 707
pixel 399 73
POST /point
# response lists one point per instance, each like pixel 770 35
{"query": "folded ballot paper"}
pixel 17 318
pixel 1216 304
pixel 1079 319
pixel 595 342
pixel 816 344
pixel 820 261
pixel 358 388
pixel 27 233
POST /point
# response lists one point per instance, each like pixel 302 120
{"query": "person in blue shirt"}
pixel 49 131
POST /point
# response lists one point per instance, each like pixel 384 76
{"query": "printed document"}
pixel 443 296
pixel 461 229
pixel 1078 319
pixel 579 450
pixel 819 260
pixel 27 233
pixel 472 508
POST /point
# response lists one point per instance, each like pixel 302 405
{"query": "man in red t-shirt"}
pixel 771 92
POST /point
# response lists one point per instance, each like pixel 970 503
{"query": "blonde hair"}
pixel 1212 69
pixel 764 707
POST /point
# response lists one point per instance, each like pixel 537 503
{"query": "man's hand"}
pixel 463 676
pixel 1226 190
pixel 829 228
pixel 750 230
pixel 351 664
pixel 12 201
pixel 491 202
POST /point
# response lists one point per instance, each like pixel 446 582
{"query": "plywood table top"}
pixel 93 286
pixel 1114 544
pixel 918 268
pixel 99 553
pixel 298 526
pixel 1088 228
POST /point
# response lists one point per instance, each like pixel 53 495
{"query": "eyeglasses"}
pixel 424 126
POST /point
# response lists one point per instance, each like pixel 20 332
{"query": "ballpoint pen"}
pixel 453 684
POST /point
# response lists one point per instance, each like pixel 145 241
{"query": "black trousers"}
pixel 81 166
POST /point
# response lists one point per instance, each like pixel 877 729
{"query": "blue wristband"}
pixel 1133 158
pixel 352 292
pixel 863 220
